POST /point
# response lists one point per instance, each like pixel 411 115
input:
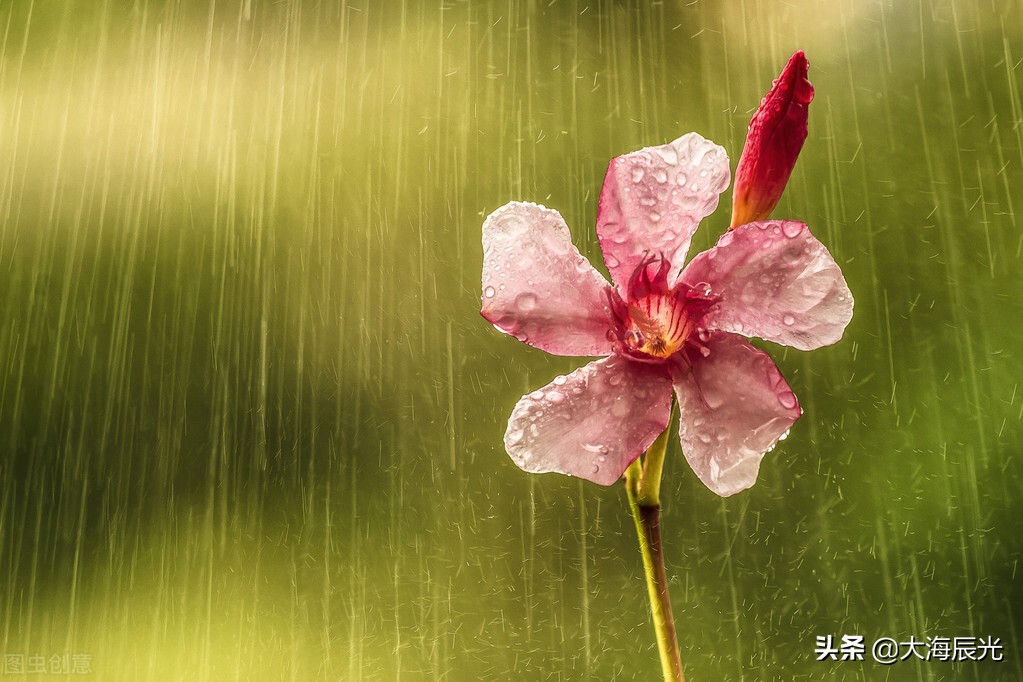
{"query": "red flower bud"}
pixel 776 134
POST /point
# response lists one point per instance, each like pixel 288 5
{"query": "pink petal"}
pixel 734 406
pixel 654 199
pixel 538 287
pixel 777 282
pixel 592 423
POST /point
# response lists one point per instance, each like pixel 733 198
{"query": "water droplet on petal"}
pixel 555 396
pixel 668 155
pixel 560 380
pixel 637 174
pixel 660 176
pixel 634 339
pixel 789 320
pixel 655 217
pixel 792 229
pixel 787 399
pixel 489 292
pixel 526 302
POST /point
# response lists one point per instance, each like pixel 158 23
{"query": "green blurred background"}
pixel 252 422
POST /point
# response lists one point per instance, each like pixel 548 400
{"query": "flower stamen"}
pixel 658 320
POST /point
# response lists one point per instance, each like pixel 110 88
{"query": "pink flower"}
pixel 776 135
pixel 662 327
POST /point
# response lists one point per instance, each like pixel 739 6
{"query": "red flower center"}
pixel 656 321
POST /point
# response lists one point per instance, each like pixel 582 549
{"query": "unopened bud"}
pixel 775 137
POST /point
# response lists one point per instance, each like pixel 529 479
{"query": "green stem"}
pixel 643 484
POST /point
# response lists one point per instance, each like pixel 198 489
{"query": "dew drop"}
pixel 526 302
pixel 787 399
pixel 668 155
pixel 714 399
pixel 792 229
pixel 789 320
pixel 660 176
pixel 655 217
pixel 555 397
pixel 680 180
pixel 634 339
pixel 489 292
pixel 560 380
pixel 637 174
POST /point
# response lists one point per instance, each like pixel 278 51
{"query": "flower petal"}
pixel 592 423
pixel 734 406
pixel 775 281
pixel 538 287
pixel 654 199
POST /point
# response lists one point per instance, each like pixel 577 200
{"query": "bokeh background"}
pixel 251 421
